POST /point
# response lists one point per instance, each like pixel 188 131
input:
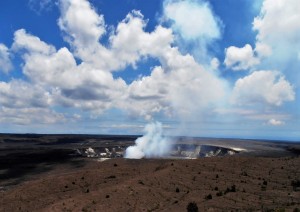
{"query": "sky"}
pixel 205 68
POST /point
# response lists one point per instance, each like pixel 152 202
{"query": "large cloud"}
pixel 71 84
pixel 22 103
pixel 278 28
pixel 19 94
pixel 152 94
pixel 189 90
pixel 124 47
pixel 278 23
pixel 277 42
pixel 263 87
pixel 91 86
pixel 192 19
pixel 30 116
pixel 276 48
pixel 195 25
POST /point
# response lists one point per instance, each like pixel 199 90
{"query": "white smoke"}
pixel 153 144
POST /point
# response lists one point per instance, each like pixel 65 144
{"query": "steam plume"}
pixel 153 144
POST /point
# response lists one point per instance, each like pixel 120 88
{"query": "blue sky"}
pixel 202 68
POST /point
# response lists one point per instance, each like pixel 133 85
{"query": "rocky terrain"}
pixel 58 180
pixel 214 184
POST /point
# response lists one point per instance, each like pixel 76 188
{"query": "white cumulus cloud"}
pixel 69 83
pixel 275 122
pixel 240 58
pixel 91 86
pixel 278 21
pixel 189 90
pixel 33 116
pixel 278 35
pixel 277 41
pixel 24 40
pixel 19 94
pixel 192 19
pixel 81 22
pixel 195 26
pixel 263 87
pixel 129 47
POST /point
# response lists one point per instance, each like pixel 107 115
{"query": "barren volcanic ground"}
pixel 37 173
